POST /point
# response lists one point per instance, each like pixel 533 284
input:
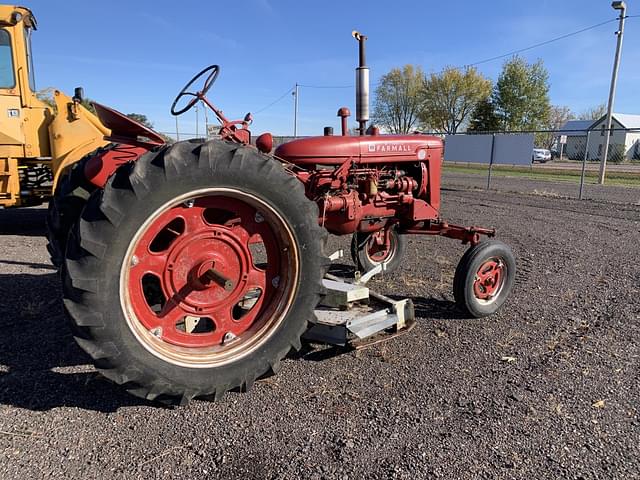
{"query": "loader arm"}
pixel 73 133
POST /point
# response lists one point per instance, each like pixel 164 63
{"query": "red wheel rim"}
pixel 378 250
pixel 489 280
pixel 208 276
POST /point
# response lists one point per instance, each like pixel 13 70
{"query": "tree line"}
pixel 462 99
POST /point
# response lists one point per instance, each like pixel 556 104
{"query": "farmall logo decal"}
pixel 389 148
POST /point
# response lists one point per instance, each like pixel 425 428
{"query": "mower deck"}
pixel 351 314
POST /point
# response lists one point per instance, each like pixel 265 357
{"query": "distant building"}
pixel 624 143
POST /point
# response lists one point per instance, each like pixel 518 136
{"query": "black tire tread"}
pixel 84 267
pixel 460 276
pixel 66 205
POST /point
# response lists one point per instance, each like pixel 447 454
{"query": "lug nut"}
pixel 228 338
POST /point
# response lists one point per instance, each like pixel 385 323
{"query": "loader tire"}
pixel 65 206
pixel 484 278
pixel 365 255
pixel 194 272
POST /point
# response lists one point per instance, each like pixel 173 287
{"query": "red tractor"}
pixel 192 269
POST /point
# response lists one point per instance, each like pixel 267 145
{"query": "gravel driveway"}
pixel 547 388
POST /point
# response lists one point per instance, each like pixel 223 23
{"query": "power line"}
pixel 335 86
pixel 274 102
pixel 562 37
pixel 498 57
pixel 486 60
pixel 325 86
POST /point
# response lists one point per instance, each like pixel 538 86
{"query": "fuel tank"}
pixel 366 149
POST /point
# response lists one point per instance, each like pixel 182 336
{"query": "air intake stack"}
pixel 362 85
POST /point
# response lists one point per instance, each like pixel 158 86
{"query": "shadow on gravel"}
pixel 315 352
pixel 342 270
pixel 37 266
pixel 437 309
pixel 23 221
pixel 41 367
pixel 427 309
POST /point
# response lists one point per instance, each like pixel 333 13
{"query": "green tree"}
pixel 46 96
pixel 451 96
pixel 521 95
pixel 141 119
pixel 398 99
pixel 484 118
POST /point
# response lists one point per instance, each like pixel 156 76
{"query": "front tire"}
pixel 484 278
pixel 195 271
pixel 367 252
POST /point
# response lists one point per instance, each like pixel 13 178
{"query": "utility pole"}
pixel 295 111
pixel 617 5
pixel 197 126
pixel 177 131
pixel 206 121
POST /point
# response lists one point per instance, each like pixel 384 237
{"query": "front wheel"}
pixel 195 271
pixel 369 250
pixel 484 278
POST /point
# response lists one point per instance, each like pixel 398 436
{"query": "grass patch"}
pixel 613 178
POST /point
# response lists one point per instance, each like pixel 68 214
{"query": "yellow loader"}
pixel 42 142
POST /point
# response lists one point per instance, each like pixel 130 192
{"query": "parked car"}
pixel 541 155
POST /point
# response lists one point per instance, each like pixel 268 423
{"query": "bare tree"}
pixel 398 99
pixel 558 116
pixel 451 97
pixel 594 113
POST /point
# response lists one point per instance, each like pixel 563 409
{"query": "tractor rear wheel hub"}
pixel 187 275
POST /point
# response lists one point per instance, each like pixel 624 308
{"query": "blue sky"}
pixel 136 55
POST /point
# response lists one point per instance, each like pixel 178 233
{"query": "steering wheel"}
pixel 213 71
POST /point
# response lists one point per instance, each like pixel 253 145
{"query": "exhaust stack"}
pixel 362 85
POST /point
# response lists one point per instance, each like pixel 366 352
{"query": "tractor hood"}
pixel 330 150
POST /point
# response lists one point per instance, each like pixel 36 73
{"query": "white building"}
pixel 624 143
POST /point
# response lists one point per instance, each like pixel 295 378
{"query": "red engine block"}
pixel 367 183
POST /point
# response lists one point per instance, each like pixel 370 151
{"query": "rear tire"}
pixel 365 255
pixel 484 278
pixel 213 192
pixel 65 206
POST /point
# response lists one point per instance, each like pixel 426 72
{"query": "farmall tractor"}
pixel 192 269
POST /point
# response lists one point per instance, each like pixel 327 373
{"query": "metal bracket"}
pixel 351 311
pixel 364 278
pixel 338 254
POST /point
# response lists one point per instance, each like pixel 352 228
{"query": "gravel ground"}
pixel 547 388
pixel 606 193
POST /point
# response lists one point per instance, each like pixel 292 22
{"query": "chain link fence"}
pixel 554 162
pixel 564 162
